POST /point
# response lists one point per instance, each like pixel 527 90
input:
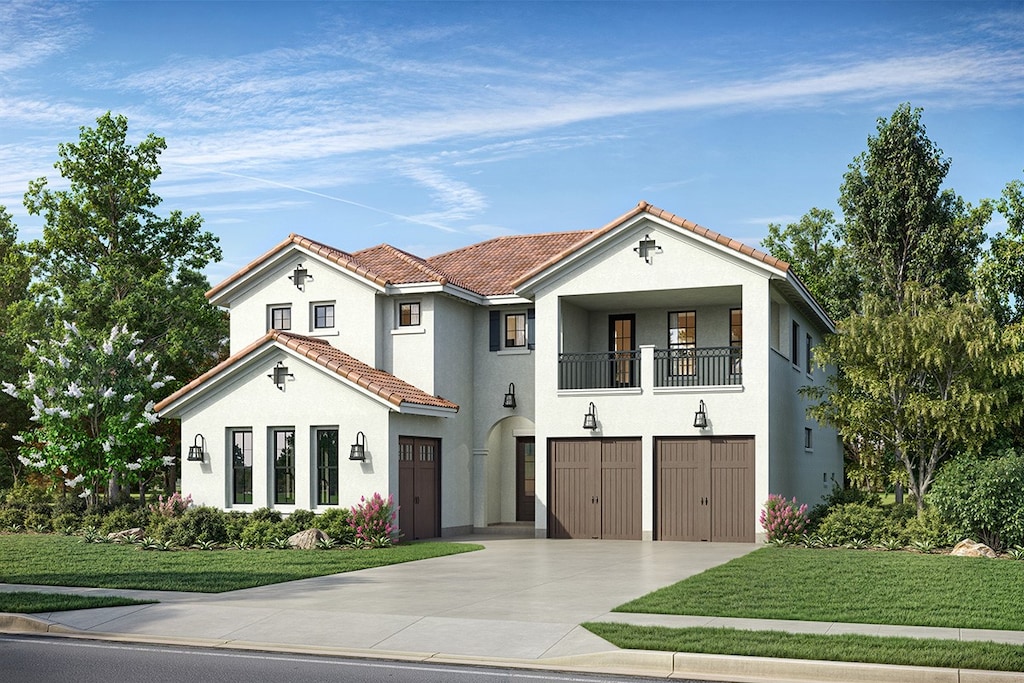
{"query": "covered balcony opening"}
pixel 696 335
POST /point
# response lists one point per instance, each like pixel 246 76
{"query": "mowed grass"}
pixel 27 603
pixel 838 648
pixel 66 561
pixel 854 586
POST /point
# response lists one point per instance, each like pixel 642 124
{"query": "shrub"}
pixel 337 523
pixel 261 532
pixel 783 520
pixel 235 522
pixel 265 515
pixel 11 518
pixel 928 529
pixel 840 496
pixel 124 517
pixel 66 520
pixel 983 498
pixel 30 498
pixel 37 521
pixel 374 521
pixel 852 521
pixel 198 524
pixel 302 519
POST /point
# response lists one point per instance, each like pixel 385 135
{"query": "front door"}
pixel 621 344
pixel 525 478
pixel 419 487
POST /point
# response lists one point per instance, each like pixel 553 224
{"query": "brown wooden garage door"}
pixel 705 489
pixel 595 488
pixel 419 487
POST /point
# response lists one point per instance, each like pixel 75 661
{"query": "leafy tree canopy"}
pixel 14 279
pixel 1001 272
pixel 823 263
pixel 900 225
pixel 920 382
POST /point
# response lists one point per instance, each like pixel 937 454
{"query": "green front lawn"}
pixel 26 603
pixel 838 648
pixel 66 561
pixel 854 586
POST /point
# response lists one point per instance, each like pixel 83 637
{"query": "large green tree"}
pixel 1001 271
pixel 899 223
pixel 107 257
pixel 14 280
pixel 814 247
pixel 919 381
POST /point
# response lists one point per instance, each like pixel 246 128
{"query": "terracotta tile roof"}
pixel 379 382
pixel 644 207
pixel 399 267
pixel 492 267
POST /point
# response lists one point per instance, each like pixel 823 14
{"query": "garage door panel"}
pixel 595 489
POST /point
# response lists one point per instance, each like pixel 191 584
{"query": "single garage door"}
pixel 705 489
pixel 595 488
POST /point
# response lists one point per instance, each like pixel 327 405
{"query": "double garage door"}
pixel 704 489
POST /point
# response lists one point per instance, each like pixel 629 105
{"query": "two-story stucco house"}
pixel 638 381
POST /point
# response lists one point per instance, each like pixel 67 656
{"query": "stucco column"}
pixel 479 488
pixel 647 367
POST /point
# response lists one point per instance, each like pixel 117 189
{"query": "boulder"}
pixel 969 548
pixel 306 540
pixel 126 536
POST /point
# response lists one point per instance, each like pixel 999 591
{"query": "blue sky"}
pixel 434 125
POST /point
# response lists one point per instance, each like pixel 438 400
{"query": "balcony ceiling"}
pixel 669 299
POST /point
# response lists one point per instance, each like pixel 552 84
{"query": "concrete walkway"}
pixel 518 600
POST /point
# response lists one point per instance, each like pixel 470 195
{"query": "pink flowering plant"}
pixel 373 521
pixel 171 506
pixel 783 520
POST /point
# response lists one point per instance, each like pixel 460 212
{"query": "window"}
pixel 808 438
pixel 735 340
pixel 807 356
pixel 409 314
pixel 283 442
pixel 682 342
pixel 515 330
pixel 327 467
pixel 281 318
pixel 323 316
pixel 794 344
pixel 241 466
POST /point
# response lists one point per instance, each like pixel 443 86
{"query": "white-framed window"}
pixel 280 317
pixel 409 314
pixel 323 316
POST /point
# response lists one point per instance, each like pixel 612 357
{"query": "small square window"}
pixel 515 330
pixel 323 316
pixel 281 318
pixel 808 438
pixel 409 314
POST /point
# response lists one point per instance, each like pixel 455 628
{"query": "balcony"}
pixel 708 366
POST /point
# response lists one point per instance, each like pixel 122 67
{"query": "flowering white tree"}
pixel 91 400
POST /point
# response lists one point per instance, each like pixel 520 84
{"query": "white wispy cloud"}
pixel 31 32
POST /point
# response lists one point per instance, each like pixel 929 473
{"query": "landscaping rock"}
pixel 306 540
pixel 969 548
pixel 126 536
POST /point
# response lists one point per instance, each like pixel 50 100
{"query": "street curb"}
pixel 736 669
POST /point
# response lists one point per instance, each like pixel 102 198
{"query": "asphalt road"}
pixel 47 659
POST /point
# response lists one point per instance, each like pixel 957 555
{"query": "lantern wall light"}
pixel 510 396
pixel 197 451
pixel 590 419
pixel 700 418
pixel 358 451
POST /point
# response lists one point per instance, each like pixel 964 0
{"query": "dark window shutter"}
pixel 495 327
pixel 531 328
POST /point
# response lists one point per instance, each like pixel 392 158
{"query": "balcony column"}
pixel 647 366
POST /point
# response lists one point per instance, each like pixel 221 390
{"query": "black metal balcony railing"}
pixel 709 366
pixel 601 370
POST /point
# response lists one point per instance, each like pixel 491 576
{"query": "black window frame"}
pixel 274 313
pixel 326 465
pixel 794 344
pixel 415 314
pixel 808 365
pixel 283 464
pixel 241 472
pixel 321 313
pixel 682 353
pixel 735 341
pixel 808 438
pixel 519 334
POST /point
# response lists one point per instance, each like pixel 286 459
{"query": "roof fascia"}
pixel 797 284
pixel 429 411
pixel 288 250
pixel 507 300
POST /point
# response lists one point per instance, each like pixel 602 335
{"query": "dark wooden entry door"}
pixel 525 478
pixel 705 489
pixel 621 342
pixel 595 488
pixel 419 487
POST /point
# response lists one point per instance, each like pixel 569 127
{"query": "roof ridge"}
pixel 420 263
pixel 531 235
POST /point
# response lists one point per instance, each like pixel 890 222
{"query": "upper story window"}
pixel 409 314
pixel 281 318
pixel 323 316
pixel 807 356
pixel 735 340
pixel 515 330
pixel 794 344
pixel 682 341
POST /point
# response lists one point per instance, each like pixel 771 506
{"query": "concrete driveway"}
pixel 518 598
